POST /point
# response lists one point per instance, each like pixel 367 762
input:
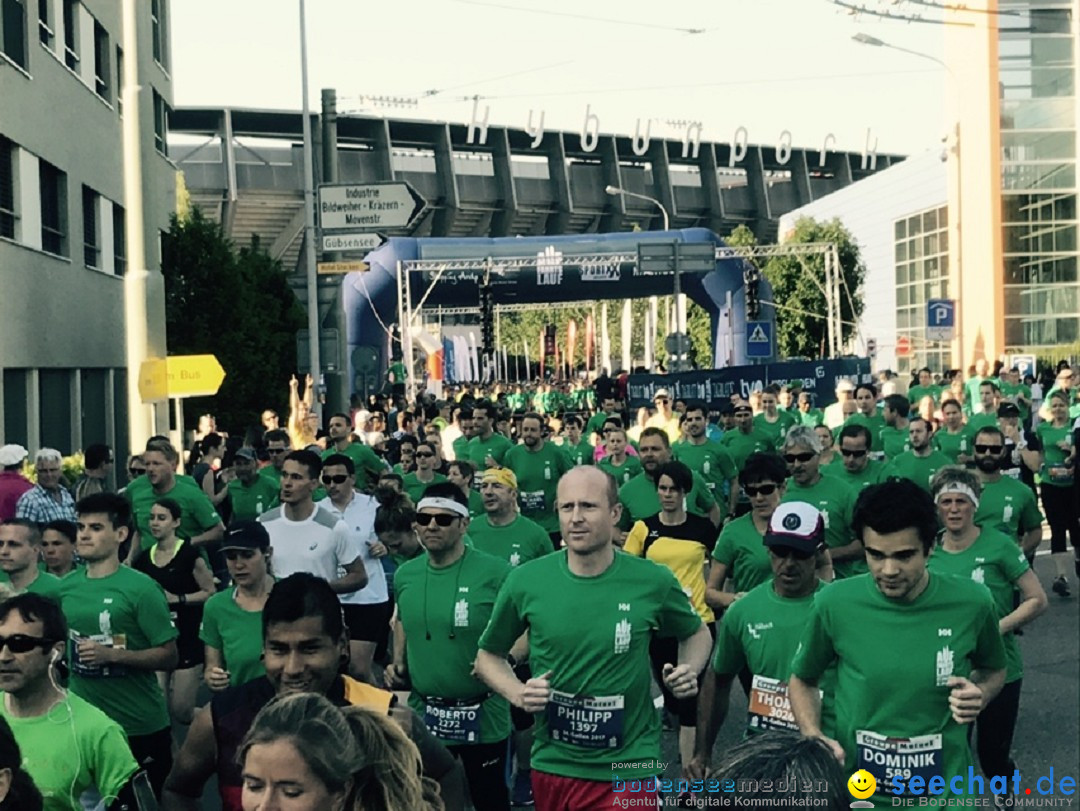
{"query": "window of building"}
pixel 46 30
pixel 71 34
pixel 160 34
pixel 91 202
pixel 7 188
pixel 921 258
pixel 102 76
pixel 13 31
pixel 119 80
pixel 54 226
pixel 161 124
pixel 119 230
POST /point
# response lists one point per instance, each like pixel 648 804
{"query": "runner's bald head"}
pixel 586 473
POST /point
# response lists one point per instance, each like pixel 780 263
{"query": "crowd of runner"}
pixel 456 602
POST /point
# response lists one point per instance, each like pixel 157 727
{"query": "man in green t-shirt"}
pixel 834 498
pixel 1005 504
pixel 69 747
pixel 855 467
pixel 121 635
pixel 638 496
pixel 367 462
pixel 806 414
pixel 894 434
pixel 538 466
pixel 503 531
pixel 868 414
pixel 595 426
pixel 761 631
pixel 425 474
pixel 20 558
pixel 710 460
pixel 745 439
pixel 986 413
pixel 772 422
pixel 577 447
pixel 1014 390
pixel 917 655
pixel 591 613
pixel 972 384
pixel 925 388
pixel 921 462
pixel 444 601
pixel 277 448
pixel 250 494
pixel 200 523
pixel 486 448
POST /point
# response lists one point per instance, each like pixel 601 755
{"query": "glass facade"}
pixel 1037 82
pixel 921 251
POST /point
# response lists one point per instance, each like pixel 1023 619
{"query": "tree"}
pixel 797 288
pixel 237 305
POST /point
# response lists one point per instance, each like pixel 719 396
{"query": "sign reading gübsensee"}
pixel 368 206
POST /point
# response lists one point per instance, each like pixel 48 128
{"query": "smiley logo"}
pixel 861 784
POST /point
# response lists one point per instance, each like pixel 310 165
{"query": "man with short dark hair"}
pixel 538 466
pixel 854 466
pixel 894 434
pixel 70 748
pixel 278 446
pixel 1004 503
pixel 986 413
pixel 58 548
pixel 868 415
pixel 250 494
pixel 921 462
pixel 638 496
pixel 97 465
pixel 917 655
pixel 709 459
pixel 486 448
pixel 121 634
pixel 307 537
pixel 304 649
pixel 364 458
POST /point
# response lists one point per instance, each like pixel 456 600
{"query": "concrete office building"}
pixel 1013 75
pixel 63 232
pixel 899 219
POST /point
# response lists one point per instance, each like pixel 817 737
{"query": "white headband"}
pixel 961 488
pixel 437 503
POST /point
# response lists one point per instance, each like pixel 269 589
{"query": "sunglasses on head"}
pixel 849 452
pixel 994 449
pixel 338 479
pixel 792 458
pixel 22 643
pixel 790 552
pixel 442 519
pixel 239 554
pixel 759 489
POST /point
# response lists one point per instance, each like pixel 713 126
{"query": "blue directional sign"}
pixel 759 339
pixel 940 319
pixel 1024 364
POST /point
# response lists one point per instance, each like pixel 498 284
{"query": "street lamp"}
pixel 615 190
pixel 957 242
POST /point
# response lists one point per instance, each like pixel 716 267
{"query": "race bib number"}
pixel 459 723
pixel 770 707
pixel 533 502
pixel 96 671
pixel 889 759
pixel 589 722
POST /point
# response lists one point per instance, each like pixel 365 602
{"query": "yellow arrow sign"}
pixel 180 376
pixel 342 267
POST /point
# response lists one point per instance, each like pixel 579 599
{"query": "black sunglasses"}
pixel 849 452
pixel 276 451
pixel 424 455
pixel 338 479
pixel 994 449
pixel 22 643
pixel 759 489
pixel 136 471
pixel 790 552
pixel 442 519
pixel 792 458
pixel 239 554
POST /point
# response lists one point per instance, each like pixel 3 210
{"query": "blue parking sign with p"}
pixel 940 319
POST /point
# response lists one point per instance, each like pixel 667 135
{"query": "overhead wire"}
pixel 588 17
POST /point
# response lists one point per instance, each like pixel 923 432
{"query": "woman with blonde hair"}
pixel 304 754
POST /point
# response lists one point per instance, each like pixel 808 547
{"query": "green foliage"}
pixel 237 305
pixel 793 282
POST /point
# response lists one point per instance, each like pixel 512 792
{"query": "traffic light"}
pixel 751 278
pixel 487 318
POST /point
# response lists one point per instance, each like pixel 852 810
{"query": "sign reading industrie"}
pixel 817 378
pixel 368 206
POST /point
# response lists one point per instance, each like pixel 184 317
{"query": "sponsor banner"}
pixel 712 386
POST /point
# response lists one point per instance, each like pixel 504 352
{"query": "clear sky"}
pixel 766 65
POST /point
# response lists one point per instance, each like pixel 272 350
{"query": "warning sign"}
pixel 759 339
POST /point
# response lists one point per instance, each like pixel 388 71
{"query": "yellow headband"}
pixel 500 475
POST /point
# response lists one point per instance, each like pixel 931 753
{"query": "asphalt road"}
pixel 1048 730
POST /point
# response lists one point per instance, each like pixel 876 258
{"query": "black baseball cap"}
pixel 246 535
pixel 1008 410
